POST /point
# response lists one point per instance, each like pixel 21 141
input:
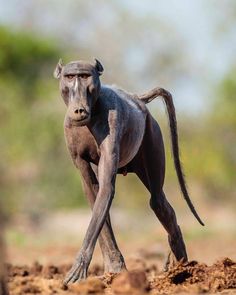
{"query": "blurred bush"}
pixel 207 144
pixel 35 173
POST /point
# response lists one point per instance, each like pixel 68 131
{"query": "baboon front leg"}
pixel 113 259
pixel 107 174
pixel 166 215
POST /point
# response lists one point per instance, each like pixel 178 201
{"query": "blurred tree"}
pixel 209 152
pixel 35 173
pixel 223 135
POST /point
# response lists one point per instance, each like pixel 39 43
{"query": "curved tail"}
pixel 148 97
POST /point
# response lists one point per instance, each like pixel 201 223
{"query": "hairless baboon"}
pixel 110 131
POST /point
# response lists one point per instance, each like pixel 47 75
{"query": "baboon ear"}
pixel 57 71
pixel 98 66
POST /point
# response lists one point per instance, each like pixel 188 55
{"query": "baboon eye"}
pixel 84 76
pixel 70 77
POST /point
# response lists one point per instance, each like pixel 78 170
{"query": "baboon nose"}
pixel 79 111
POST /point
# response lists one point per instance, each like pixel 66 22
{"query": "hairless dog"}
pixel 109 131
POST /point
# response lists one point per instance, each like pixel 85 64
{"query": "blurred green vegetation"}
pixel 36 173
pixel 213 147
pixel 207 144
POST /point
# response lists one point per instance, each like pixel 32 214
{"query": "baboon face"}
pixel 79 86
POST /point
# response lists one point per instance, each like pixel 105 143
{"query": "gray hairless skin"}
pixel 110 131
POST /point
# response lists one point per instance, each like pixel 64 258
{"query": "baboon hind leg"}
pixel 149 165
pixel 165 213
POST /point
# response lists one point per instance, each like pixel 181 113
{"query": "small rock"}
pixel 91 285
pixel 134 282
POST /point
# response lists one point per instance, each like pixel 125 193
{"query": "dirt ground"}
pixel 145 263
pixel 191 277
pixel 38 258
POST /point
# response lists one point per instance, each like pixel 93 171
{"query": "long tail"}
pixel 149 96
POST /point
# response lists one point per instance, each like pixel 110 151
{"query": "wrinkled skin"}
pixel 109 131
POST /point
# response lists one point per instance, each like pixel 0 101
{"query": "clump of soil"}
pixel 197 277
pixel 188 277
pixel 134 282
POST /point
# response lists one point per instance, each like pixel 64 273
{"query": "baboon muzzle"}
pixel 77 113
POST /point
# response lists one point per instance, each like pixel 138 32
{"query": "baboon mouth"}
pixel 80 122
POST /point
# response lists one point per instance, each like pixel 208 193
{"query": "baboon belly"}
pixel 132 137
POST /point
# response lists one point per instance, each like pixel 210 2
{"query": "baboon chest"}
pixel 81 144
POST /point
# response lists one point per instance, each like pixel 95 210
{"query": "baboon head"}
pixel 79 87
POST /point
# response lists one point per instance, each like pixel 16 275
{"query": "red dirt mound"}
pixel 190 277
pixel 197 277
